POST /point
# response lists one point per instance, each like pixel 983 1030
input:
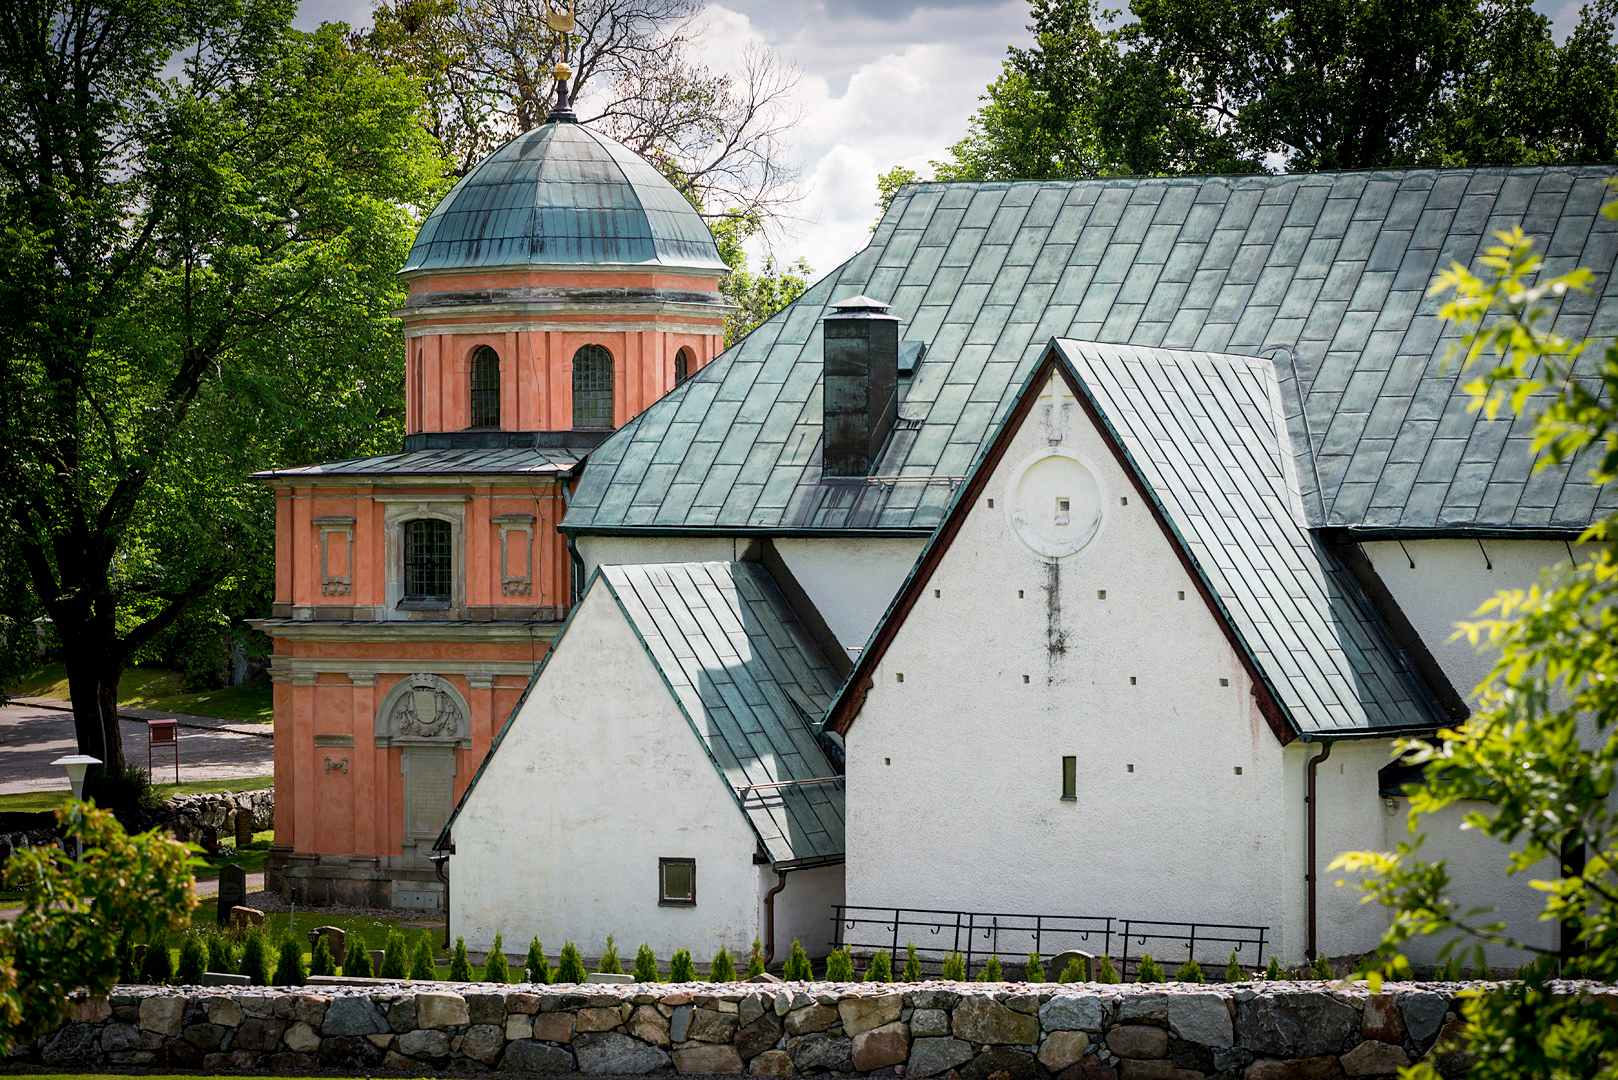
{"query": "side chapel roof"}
pixel 752 683
pixel 1202 435
pixel 1326 273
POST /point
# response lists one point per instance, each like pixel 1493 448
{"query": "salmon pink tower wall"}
pixel 560 288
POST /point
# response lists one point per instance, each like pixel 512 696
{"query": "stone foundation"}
pixel 962 1031
pixel 364 881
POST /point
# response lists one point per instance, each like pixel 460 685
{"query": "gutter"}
pixel 1310 878
pixel 781 872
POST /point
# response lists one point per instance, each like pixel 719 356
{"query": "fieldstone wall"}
pixel 958 1031
pixel 187 816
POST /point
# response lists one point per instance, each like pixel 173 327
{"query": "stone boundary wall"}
pixel 959 1031
pixel 187 815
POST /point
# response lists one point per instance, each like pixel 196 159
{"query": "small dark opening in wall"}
pixel 901 676
pixel 1224 682
pixel 1132 680
pixel 1238 770
pixel 1025 678
pixel 938 592
pixel 1070 778
pixel 1019 594
pixel 1182 594
pixel 1129 768
pixel 1101 594
pixel 991 504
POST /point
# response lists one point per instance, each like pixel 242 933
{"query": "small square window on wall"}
pixel 677 882
pixel 1070 778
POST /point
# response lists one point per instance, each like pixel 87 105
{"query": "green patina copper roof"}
pixel 1326 272
pixel 519 461
pixel 562 194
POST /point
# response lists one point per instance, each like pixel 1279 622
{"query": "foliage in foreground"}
pixel 797 967
pixel 1540 751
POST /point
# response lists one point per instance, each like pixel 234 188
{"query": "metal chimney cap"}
pixel 859 305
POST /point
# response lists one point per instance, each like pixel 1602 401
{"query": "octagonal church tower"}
pixel 561 287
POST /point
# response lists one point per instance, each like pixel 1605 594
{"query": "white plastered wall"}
pixel 850 580
pixel 804 908
pixel 597 778
pixel 954 774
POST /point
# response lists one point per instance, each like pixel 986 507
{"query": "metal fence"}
pixel 978 935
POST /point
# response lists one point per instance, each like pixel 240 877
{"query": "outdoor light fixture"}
pixel 77 765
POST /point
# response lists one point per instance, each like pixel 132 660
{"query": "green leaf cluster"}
pixel 495 967
pixel 681 967
pixel 536 966
pixel 1148 970
pixel 723 968
pixel 570 968
pixel 460 968
pixel 839 966
pixel 289 965
pixel 881 969
pixel 954 967
pixel 645 964
pixel 797 966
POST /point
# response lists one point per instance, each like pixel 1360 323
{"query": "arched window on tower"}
pixel 485 388
pixel 592 387
pixel 682 365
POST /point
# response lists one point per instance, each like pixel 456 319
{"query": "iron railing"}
pixel 978 935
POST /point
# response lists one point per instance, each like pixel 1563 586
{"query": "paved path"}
pixel 37 732
pixel 206 889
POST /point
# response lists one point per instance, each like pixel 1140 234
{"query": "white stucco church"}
pixel 1076 549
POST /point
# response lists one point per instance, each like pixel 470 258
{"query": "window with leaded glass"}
pixel 485 387
pixel 429 565
pixel 592 387
pixel 682 366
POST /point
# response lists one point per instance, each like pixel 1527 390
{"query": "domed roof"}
pixel 562 193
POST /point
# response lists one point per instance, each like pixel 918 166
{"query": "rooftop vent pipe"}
pixel 861 342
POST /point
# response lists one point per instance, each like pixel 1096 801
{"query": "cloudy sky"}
pixel 884 83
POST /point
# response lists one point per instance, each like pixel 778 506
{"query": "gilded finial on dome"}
pixel 562 22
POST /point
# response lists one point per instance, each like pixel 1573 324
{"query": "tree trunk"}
pixel 92 680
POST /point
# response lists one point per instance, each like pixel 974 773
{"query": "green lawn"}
pixel 251 859
pixel 159 688
pixel 33 801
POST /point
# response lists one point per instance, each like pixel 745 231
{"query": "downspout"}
pixel 769 916
pixel 1311 798
pixel 440 860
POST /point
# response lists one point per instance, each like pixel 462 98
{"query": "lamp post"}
pixel 77 765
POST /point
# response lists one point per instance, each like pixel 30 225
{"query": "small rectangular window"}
pixel 677 882
pixel 1070 778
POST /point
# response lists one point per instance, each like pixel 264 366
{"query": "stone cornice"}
pixel 411 630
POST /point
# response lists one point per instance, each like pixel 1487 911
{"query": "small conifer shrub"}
pixel 1077 970
pixel 570 968
pixel 321 961
pixel 1273 973
pixel 1189 972
pixel 1148 971
pixel 723 968
pixel 495 969
pixel 610 964
pixel 1322 970
pixel 289 969
pixel 193 961
pixel 1105 972
pixel 1034 970
pixel 912 963
pixel 645 964
pixel 1233 969
pixel 421 964
pixel 395 962
pixel 126 958
pixel 157 966
pixel 256 957
pixel 955 967
pixel 798 969
pixel 681 969
pixel 881 969
pixel 219 954
pixel 538 968
pixel 991 971
pixel 460 968
pixel 839 966
pixel 755 959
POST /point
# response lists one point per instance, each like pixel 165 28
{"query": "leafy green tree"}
pixel 460 968
pixel 839 966
pixel 756 296
pixel 755 959
pixel 797 967
pixel 421 964
pixel 912 963
pixel 1540 751
pixel 538 968
pixel 1233 969
pixel 1033 970
pixel 1187 86
pixel 495 968
pixel 1189 972
pixel 570 968
pixel 256 957
pixel 888 185
pixel 681 969
pixel 289 966
pixel 954 967
pixel 395 956
pixel 645 964
pixel 321 961
pixel 193 961
pixel 1105 972
pixel 1076 970
pixel 196 280
pixel 609 958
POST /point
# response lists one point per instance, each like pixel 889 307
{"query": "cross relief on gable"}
pixel 423 709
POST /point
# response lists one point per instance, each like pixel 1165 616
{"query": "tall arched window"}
pixel 429 565
pixel 592 387
pixel 682 366
pixel 485 387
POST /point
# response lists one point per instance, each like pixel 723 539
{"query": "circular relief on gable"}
pixel 1054 503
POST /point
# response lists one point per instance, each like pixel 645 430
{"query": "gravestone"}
pixel 336 940
pixel 245 917
pixel 244 829
pixel 209 840
pixel 232 890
